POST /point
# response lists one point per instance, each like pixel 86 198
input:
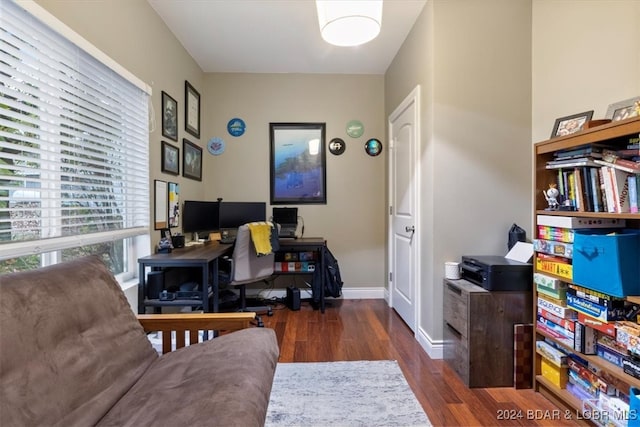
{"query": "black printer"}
pixel 497 273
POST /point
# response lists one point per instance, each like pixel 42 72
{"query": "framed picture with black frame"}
pixel 298 163
pixel 191 160
pixel 570 124
pixel 191 110
pixel 170 159
pixel 169 117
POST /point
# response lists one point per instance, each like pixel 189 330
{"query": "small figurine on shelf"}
pixel 551 195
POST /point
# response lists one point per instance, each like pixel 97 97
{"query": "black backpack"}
pixel 332 279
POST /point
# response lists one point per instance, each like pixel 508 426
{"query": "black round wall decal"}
pixel 337 146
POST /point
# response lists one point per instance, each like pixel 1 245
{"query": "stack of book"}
pixel 598 179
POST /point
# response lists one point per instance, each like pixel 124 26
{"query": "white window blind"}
pixel 73 143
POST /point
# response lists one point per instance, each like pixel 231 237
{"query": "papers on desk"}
pixel 194 243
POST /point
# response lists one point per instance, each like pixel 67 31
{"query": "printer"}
pixel 497 273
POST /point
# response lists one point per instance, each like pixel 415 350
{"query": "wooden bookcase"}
pixel 616 134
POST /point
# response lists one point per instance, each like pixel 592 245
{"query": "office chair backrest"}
pixel 248 267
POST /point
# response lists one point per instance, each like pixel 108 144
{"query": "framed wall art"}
pixel 624 109
pixel 174 204
pixel 191 160
pixel 298 163
pixel 571 124
pixel 169 117
pixel 191 110
pixel 170 158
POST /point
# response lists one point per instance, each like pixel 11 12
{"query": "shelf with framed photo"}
pixel 568 278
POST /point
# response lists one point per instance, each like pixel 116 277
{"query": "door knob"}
pixel 410 229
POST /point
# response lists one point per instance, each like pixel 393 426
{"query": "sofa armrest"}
pixel 192 322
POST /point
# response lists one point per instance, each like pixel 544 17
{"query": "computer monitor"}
pixel 200 216
pixel 235 214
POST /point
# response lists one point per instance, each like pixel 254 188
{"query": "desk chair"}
pixel 245 267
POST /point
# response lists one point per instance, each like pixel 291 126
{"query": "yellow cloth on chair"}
pixel 261 236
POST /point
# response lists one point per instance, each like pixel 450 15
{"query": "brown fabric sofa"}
pixel 73 353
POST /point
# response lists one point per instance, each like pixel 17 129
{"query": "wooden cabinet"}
pixel 617 134
pixel 478 331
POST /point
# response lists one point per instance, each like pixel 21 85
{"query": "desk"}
pixel 311 244
pixel 204 256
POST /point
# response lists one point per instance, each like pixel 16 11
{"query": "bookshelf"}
pixel 618 135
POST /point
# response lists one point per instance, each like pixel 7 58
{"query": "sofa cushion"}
pixel 71 345
pixel 222 382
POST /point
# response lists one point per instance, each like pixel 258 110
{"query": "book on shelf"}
pixel 593 150
pixel 596 191
pixel 571 163
pixel 634 192
pixel 629 152
pixel 619 190
pixel 622 164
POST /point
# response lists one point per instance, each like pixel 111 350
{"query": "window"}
pixel 73 148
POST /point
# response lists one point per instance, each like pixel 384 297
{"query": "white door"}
pixel 404 262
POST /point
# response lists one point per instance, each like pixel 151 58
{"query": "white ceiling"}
pixel 279 36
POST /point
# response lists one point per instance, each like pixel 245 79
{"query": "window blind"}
pixel 73 143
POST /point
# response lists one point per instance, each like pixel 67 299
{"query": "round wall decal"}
pixel 337 146
pixel 373 147
pixel 355 128
pixel 236 127
pixel 216 146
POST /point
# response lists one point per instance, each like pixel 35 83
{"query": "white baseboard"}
pixel 435 349
pixel 347 293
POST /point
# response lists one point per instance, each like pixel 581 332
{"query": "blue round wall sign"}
pixel 215 146
pixel 236 127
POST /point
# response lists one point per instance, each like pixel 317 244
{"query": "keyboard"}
pixel 227 240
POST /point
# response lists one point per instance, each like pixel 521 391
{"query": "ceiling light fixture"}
pixel 349 23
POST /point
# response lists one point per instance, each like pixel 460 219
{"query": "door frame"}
pixel 412 98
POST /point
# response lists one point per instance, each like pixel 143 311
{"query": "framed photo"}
pixel 298 163
pixel 169 117
pixel 170 158
pixel 192 110
pixel 160 206
pixel 174 205
pixel 624 109
pixel 571 124
pixel 191 160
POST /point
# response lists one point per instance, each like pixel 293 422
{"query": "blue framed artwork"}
pixel 298 163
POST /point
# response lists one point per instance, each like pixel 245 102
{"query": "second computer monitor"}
pixel 235 214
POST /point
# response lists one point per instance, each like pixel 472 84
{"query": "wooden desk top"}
pixel 197 254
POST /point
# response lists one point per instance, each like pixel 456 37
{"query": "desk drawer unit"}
pixel 478 331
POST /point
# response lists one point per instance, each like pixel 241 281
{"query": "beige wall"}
pixel 352 221
pixel 586 55
pixel 495 75
pixel 472 60
pixel 132 34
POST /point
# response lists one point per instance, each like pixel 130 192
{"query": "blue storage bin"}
pixel 634 407
pixel 607 263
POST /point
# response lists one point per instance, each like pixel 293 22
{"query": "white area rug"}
pixel 362 393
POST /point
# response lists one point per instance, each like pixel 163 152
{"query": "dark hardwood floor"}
pixel 370 330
